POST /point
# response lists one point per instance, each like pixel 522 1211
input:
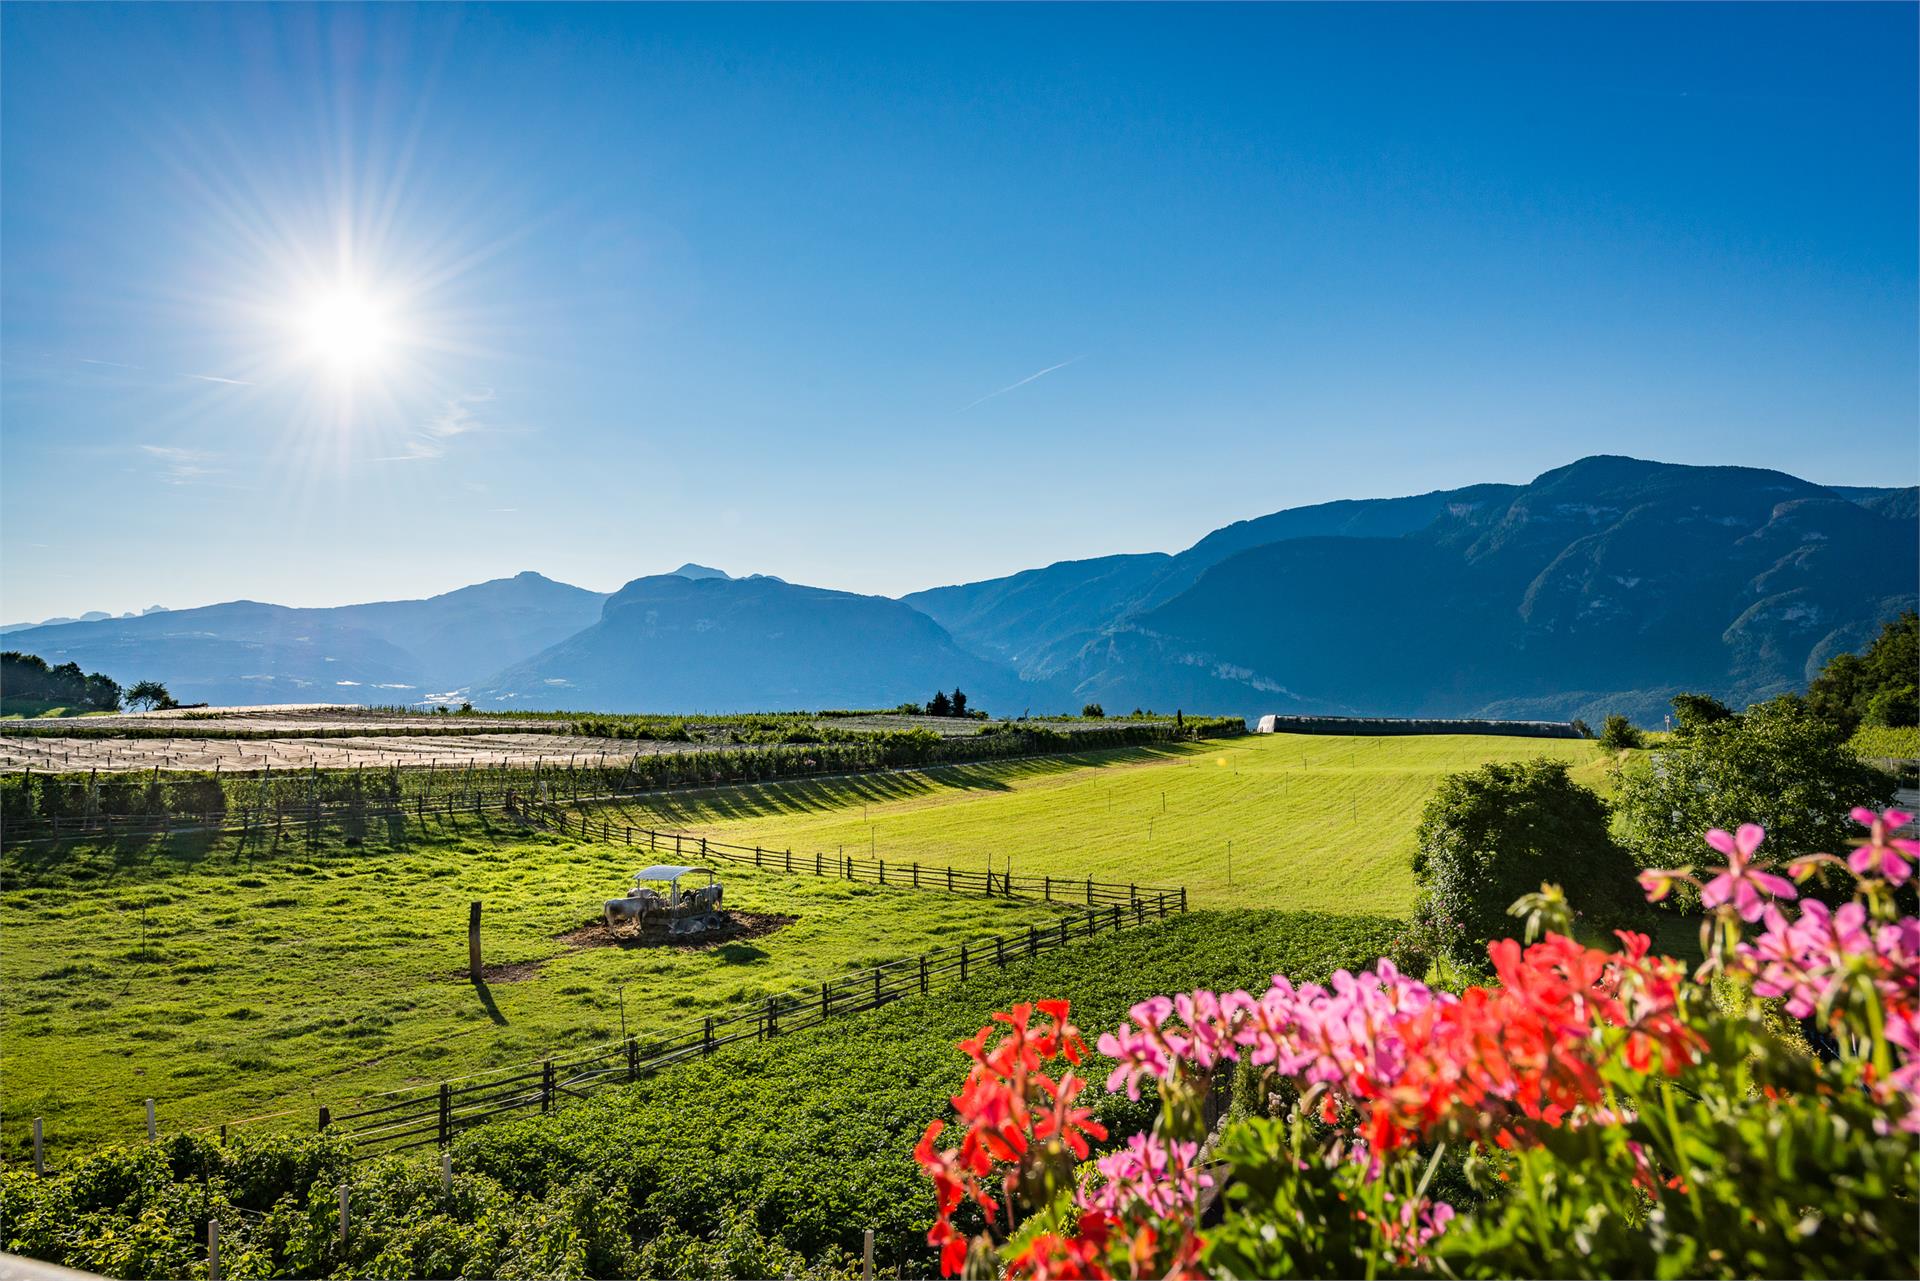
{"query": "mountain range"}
pixel 1605 585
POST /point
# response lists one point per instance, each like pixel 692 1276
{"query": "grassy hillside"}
pixel 227 982
pixel 1317 822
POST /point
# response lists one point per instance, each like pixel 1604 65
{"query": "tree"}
pixel 1692 711
pixel 939 704
pixel 1619 733
pixel 1780 765
pixel 103 693
pixel 959 701
pixel 1094 712
pixel 1876 687
pixel 1494 834
pixel 150 695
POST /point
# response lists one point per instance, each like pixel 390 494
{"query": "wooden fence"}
pixel 426 1115
pixel 878 871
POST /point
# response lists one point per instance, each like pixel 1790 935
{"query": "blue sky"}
pixel 760 287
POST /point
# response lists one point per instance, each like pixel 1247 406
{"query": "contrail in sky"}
pixel 1029 378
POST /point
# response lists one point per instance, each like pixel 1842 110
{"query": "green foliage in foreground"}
pixel 1491 835
pixel 803 1142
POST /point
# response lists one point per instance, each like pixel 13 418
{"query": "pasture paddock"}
pixel 226 983
pixel 1316 822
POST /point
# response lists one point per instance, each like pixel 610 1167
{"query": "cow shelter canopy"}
pixel 667 872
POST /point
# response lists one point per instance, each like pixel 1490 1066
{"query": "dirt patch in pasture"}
pixel 506 972
pixel 742 925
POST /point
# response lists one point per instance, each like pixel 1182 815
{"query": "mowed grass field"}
pixel 227 982
pixel 1315 822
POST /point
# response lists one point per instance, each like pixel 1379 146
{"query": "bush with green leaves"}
pixel 1877 687
pixel 1778 765
pixel 1618 734
pixel 1490 835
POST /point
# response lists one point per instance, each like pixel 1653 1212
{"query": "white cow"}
pixel 633 907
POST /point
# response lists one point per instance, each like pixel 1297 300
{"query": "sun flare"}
pixel 348 329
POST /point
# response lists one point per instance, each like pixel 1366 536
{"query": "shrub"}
pixel 1617 734
pixel 1692 712
pixel 1778 764
pixel 1872 688
pixel 1588 1113
pixel 1492 834
pixel 1094 712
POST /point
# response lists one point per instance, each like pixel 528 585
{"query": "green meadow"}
pixel 1315 822
pixel 229 980
pixel 227 983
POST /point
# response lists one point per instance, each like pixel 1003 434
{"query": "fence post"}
pixel 1183 898
pixel 963 962
pixel 789 860
pixel 708 1046
pixel 866 1258
pixel 1089 891
pixel 923 975
pixel 1049 889
pixel 153 1128
pixel 916 876
pixel 633 1059
pixel 343 1214
pixel 446 1114
pixel 39 1156
pixel 446 1169
pixel 474 968
pixel 826 1000
pixel 1033 940
pixel 949 880
pixel 326 1117
pixel 213 1250
pixel 773 1017
pixel 1000 951
pixel 756 856
pixel 883 871
pixel 1116 916
pixel 816 862
pixel 546 1085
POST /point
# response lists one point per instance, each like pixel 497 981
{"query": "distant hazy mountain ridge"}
pixel 1605 585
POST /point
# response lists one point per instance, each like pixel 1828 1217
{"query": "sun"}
pixel 348 329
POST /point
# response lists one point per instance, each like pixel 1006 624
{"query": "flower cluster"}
pixel 1567 1037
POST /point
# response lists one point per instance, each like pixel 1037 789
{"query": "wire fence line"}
pixel 431 1115
pixel 914 875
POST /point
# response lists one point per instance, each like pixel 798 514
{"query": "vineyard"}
pixel 111 796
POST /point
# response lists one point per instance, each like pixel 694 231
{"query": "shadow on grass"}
pixel 805 796
pixel 485 994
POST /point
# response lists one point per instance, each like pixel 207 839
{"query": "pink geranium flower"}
pixel 1742 883
pixel 1884 854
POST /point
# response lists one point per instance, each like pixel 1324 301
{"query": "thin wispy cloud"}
pixel 215 378
pixel 183 466
pixel 430 441
pixel 1029 378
